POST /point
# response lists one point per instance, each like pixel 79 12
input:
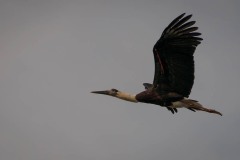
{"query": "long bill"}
pixel 101 92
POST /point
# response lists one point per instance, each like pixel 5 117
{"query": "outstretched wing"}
pixel 173 56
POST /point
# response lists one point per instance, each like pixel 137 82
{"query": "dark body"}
pixel 174 64
pixel 153 96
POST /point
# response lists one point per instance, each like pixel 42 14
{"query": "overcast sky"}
pixel 53 53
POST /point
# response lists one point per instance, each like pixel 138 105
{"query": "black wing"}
pixel 173 56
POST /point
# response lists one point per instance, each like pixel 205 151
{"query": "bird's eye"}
pixel 114 90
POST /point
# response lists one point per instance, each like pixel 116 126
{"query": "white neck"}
pixel 126 96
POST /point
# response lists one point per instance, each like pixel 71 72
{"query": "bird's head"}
pixel 112 92
pixel 118 94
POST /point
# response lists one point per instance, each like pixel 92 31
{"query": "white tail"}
pixel 193 105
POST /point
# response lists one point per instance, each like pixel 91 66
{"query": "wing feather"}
pixel 173 56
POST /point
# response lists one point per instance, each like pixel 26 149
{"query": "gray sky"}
pixel 54 52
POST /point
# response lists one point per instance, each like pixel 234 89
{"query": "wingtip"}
pixel 182 14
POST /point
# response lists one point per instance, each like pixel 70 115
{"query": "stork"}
pixel 174 70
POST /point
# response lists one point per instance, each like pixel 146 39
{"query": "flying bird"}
pixel 174 69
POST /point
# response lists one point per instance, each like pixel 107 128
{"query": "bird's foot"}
pixel 191 109
pixel 173 110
